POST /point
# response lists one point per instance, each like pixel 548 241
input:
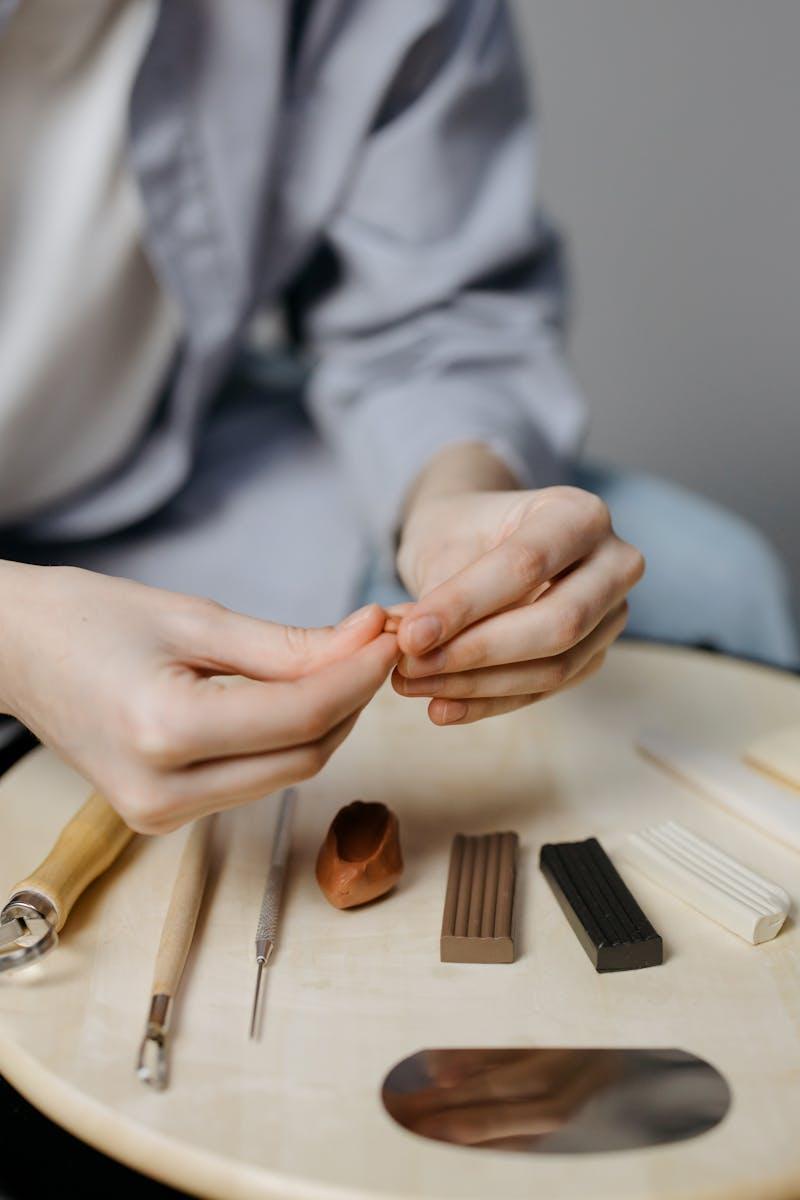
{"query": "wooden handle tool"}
pixel 173 950
pixel 40 904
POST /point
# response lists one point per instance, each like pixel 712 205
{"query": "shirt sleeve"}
pixel 441 315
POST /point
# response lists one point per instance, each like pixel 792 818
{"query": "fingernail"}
pixel 422 687
pixel 430 664
pixel 454 710
pixel 357 617
pixel 424 632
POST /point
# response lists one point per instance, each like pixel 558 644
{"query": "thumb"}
pixel 230 643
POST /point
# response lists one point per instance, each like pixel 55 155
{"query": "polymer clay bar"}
pixel 711 881
pixel 601 910
pixel 477 925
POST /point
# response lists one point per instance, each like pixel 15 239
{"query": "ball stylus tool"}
pixel 38 907
pixel 176 939
pixel 267 930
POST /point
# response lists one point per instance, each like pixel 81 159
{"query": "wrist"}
pixel 457 469
pixel 19 585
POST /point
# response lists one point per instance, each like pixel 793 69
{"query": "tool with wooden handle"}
pixel 39 906
pixel 173 950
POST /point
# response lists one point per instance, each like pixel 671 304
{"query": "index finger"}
pixel 550 539
pixel 224 720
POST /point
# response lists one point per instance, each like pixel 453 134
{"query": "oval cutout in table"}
pixel 556 1099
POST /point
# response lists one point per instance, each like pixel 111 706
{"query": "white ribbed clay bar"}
pixel 709 880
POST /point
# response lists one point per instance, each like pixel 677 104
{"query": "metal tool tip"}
pixel 151 1066
pixel 254 1014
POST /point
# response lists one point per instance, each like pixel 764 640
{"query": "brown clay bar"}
pixel 360 858
pixel 477 926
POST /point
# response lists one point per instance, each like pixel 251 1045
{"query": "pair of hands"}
pixel 127 683
pixel 508 1099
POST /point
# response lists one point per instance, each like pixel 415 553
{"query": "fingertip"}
pixel 395 615
pixel 419 668
pixel 401 610
pixel 398 682
pixel 385 646
pixel 418 634
pixel 363 624
pixel 402 637
pixel 394 648
pixel 447 712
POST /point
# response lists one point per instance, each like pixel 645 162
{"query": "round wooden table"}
pixel 298 1114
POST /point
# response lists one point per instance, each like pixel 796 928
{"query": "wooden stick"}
pixel 184 907
pixel 173 950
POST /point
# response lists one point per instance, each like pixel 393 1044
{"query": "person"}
pixel 172 176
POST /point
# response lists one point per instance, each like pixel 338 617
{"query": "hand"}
pixel 521 594
pixel 508 1099
pixel 123 682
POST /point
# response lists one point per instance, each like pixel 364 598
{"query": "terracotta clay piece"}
pixel 360 858
pixel 600 908
pixel 477 925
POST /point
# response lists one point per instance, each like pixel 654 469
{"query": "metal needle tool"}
pixel 267 930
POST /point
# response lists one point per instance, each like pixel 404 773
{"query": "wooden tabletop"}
pixel 350 993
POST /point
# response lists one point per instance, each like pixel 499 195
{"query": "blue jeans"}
pixel 712 579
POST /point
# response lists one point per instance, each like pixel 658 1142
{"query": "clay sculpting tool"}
pixel 269 915
pixel 746 793
pixel 478 919
pixel 709 880
pixel 176 939
pixel 38 907
pixel 601 910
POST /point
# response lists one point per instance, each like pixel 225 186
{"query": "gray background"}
pixel 671 156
